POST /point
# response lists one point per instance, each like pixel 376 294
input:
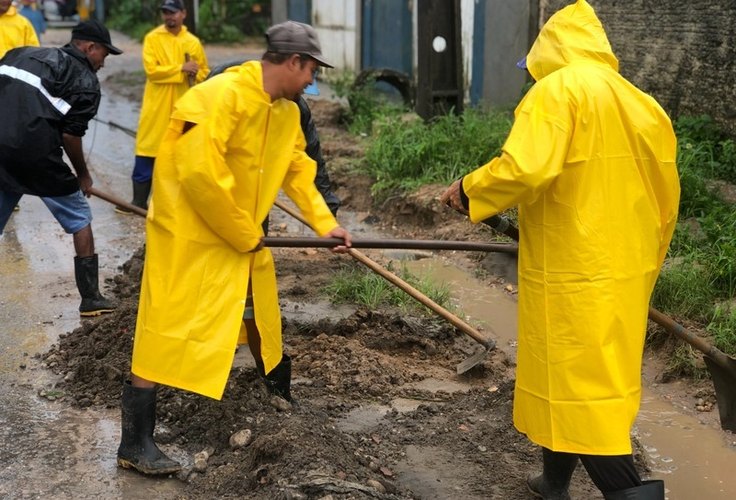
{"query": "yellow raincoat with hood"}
pixel 213 187
pixel 590 161
pixel 15 31
pixel 163 55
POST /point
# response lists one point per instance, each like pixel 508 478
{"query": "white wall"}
pixel 467 19
pixel 337 24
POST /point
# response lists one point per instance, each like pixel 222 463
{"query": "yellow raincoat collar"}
pixel 573 34
pixel 161 30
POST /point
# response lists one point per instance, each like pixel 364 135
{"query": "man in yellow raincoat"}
pixel 15 30
pixel 173 60
pixel 590 161
pixel 233 142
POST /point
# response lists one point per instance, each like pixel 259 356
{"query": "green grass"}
pixel 698 282
pixel 405 155
pixel 701 270
pixel 356 285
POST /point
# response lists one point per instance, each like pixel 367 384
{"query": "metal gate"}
pixel 387 35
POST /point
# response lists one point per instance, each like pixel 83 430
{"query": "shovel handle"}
pixel 118 201
pixel 486 342
pixel 424 300
pixel 718 356
pixel 272 241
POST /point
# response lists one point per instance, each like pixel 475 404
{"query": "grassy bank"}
pixel 698 281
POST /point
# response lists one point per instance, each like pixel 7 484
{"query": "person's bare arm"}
pixel 73 149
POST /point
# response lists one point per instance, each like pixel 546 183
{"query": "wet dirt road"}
pixel 686 449
pixel 46 449
pixel 50 451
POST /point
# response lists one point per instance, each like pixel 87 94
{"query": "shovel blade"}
pixel 474 360
pixel 724 380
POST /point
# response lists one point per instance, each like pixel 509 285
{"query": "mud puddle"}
pixel 692 455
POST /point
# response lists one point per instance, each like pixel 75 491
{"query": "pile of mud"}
pixel 369 360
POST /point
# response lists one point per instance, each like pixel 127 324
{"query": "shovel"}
pixel 488 343
pixel 722 367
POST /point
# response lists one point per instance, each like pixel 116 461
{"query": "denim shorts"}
pixel 71 211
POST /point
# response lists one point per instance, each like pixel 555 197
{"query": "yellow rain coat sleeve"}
pixel 163 56
pixel 213 187
pixel 15 31
pixel 590 161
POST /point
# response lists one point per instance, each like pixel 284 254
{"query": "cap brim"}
pixel 113 49
pixel 320 60
pixel 312 88
pixel 522 63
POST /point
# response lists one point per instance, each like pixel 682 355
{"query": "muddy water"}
pixel 694 457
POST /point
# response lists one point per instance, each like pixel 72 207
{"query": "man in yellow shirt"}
pixel 233 142
pixel 15 30
pixel 173 60
pixel 590 162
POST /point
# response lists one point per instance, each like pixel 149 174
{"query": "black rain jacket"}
pixel 44 93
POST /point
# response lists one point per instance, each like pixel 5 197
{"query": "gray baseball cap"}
pixel 292 37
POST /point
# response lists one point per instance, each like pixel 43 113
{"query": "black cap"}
pixel 292 37
pixel 94 31
pixel 172 5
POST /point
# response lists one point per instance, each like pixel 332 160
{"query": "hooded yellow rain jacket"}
pixel 15 31
pixel 213 187
pixel 590 161
pixel 163 56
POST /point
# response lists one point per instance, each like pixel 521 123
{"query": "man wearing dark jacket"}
pixel 48 96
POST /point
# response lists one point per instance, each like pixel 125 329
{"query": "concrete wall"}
pixel 683 52
pixel 506 41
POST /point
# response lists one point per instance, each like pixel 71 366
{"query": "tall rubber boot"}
pixel 86 274
pixel 649 490
pixel 557 470
pixel 141 192
pixel 137 448
pixel 278 381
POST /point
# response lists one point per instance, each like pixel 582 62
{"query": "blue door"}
pixel 387 35
pixel 299 10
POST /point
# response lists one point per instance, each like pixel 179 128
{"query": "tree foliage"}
pixel 219 20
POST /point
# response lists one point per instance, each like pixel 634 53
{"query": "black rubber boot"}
pixel 557 470
pixel 278 381
pixel 141 192
pixel 137 448
pixel 649 490
pixel 86 274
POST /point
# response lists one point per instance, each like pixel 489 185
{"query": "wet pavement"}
pixel 48 450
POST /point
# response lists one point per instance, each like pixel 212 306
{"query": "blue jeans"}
pixel 71 211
